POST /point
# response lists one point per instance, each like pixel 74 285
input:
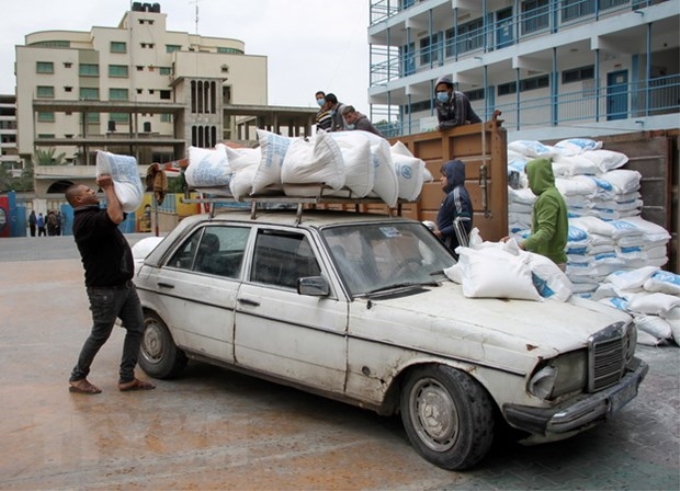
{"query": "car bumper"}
pixel 571 416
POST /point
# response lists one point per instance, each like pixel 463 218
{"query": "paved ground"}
pixel 213 429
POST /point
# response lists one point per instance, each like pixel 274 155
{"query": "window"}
pixel 140 68
pixel 525 85
pixel 45 135
pixel 475 95
pixel 607 4
pixel 166 118
pixel 68 89
pixel 507 88
pixel 234 51
pixel 118 47
pixel 573 9
pixel 88 70
pixel 534 83
pixel 578 74
pixel 165 70
pixel 213 250
pixel 535 15
pixel 46 117
pixel 68 64
pixel 122 118
pixel 166 95
pixel 170 48
pixel 418 107
pixel 118 94
pixel 151 91
pixel 280 258
pixel 44 67
pixel 139 91
pixel 89 94
pixel 92 118
pixel 44 92
pixel 52 44
pixel 429 50
pixel 118 71
pixel 470 36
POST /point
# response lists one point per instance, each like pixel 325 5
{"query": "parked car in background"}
pixel 356 307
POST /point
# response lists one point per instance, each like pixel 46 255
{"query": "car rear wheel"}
pixel 448 416
pixel 159 356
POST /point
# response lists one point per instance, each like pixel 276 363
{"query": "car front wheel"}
pixel 159 356
pixel 448 416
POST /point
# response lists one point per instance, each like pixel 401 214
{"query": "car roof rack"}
pixel 314 195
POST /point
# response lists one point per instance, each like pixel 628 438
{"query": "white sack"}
pixel 493 273
pixel 273 148
pixel 531 148
pixel 386 186
pixel 409 171
pixel 317 160
pixel 127 185
pixel 663 282
pixel 654 325
pixel 651 230
pixel 241 158
pixel 627 280
pixel 606 160
pixel 570 165
pixel 576 146
pixel 653 303
pixel 576 185
pixel 241 183
pixel 358 164
pixel 646 339
pixel 549 280
pixel 623 181
pixel 208 168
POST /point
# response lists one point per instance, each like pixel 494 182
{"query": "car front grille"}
pixel 607 357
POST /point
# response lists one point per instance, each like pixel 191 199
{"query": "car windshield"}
pixel 375 257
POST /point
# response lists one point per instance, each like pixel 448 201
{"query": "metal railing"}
pixel 655 97
pixel 394 62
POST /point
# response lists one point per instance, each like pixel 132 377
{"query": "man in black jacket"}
pixel 109 269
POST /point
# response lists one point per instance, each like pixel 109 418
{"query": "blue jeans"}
pixel 107 304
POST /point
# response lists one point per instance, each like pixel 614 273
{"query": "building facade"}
pixel 555 68
pixel 137 89
pixel 9 152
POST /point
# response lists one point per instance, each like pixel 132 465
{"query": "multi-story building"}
pixel 555 68
pixel 137 89
pixel 9 153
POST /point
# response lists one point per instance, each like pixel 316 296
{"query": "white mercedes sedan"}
pixel 356 307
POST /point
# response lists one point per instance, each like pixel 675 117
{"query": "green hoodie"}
pixel 549 223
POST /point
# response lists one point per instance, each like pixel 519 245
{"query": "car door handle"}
pixel 165 285
pixel 247 301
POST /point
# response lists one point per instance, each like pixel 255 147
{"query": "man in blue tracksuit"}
pixel 455 204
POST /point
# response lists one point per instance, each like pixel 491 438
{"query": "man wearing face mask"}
pixel 323 117
pixel 357 121
pixel 453 107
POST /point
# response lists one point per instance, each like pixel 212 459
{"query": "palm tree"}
pixel 47 157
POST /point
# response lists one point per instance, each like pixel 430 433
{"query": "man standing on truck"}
pixel 453 107
pixel 549 220
pixel 456 203
pixel 357 121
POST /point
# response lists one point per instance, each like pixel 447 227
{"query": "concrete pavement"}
pixel 214 429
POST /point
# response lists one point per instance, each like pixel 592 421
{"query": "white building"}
pixel 582 67
pixel 137 89
pixel 9 153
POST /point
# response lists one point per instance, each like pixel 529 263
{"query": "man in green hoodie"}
pixel 549 223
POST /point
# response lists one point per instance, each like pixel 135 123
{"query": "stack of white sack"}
pixel 503 270
pixel 355 163
pixel 651 296
pixel 591 253
pixel 649 247
pixel 127 184
pixel 613 192
pixel 520 206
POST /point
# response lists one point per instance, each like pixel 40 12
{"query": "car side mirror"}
pixel 314 286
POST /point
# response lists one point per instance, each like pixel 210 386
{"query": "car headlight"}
pixel 560 375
